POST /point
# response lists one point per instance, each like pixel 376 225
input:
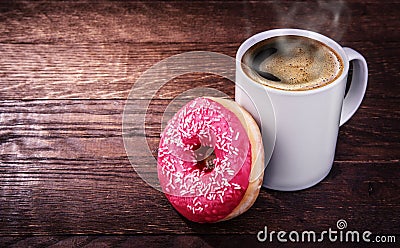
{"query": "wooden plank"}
pixel 92 130
pixel 108 71
pixel 86 71
pixel 50 197
pixel 64 170
pixel 155 21
pixel 206 241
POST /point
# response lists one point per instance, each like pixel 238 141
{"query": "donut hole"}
pixel 202 151
pixel 205 156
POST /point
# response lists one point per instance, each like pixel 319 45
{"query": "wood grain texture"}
pixel 110 198
pixel 64 165
pixel 191 21
pixel 84 71
pixel 108 71
pixel 206 241
pixel 70 128
pixel 58 50
pixel 67 68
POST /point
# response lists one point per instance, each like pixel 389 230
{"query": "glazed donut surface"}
pixel 205 161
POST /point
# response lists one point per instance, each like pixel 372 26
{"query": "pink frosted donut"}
pixel 211 160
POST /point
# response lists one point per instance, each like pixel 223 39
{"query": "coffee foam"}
pixel 300 63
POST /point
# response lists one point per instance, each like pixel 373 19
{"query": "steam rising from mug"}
pixel 331 17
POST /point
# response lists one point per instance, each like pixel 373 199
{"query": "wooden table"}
pixel 66 70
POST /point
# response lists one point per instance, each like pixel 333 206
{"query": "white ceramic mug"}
pixel 307 122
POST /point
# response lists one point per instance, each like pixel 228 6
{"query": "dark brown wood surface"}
pixel 66 69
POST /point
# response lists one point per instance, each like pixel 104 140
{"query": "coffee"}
pixel 292 63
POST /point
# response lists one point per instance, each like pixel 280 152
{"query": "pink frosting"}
pixel 198 192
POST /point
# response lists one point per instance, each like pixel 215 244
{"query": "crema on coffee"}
pixel 292 63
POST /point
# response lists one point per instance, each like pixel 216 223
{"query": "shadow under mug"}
pixel 306 122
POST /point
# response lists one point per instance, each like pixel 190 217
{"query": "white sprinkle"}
pixel 208 187
pixel 236 186
pixel 225 182
pixel 237 136
pixel 220 197
pixel 200 193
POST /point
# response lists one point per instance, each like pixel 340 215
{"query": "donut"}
pixel 211 160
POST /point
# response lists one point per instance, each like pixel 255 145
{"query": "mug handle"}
pixel 358 85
